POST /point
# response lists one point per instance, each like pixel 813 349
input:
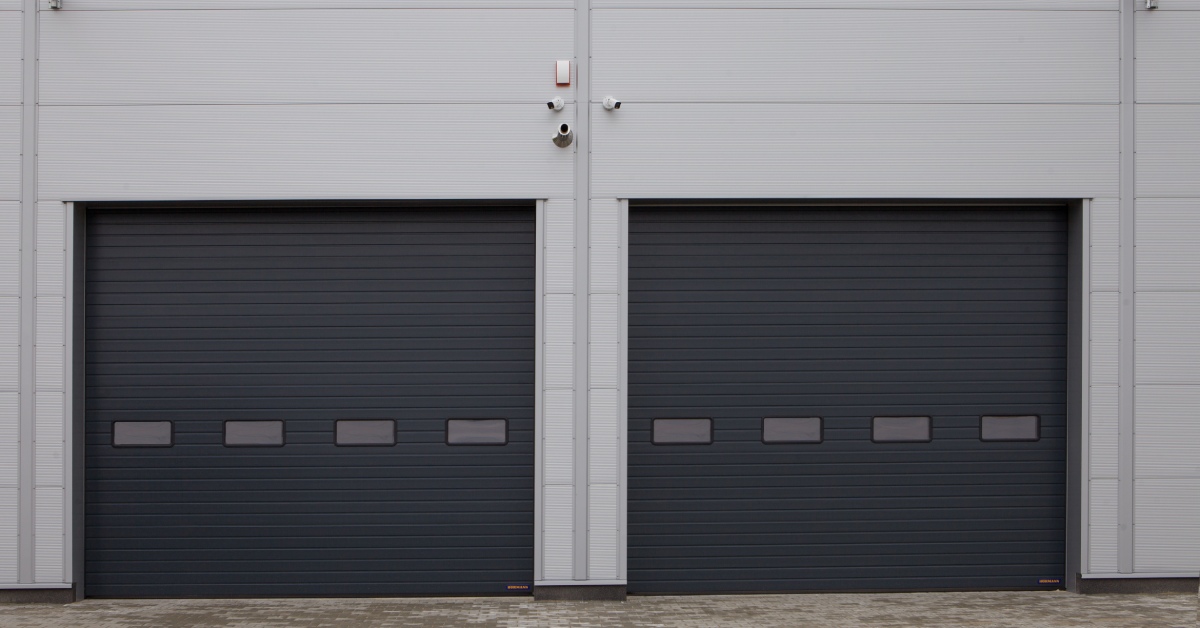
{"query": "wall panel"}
pixel 1102 527
pixel 793 150
pixel 50 343
pixel 1168 433
pixel 10 56
pixel 9 341
pixel 603 535
pixel 1167 255
pixel 1103 335
pixel 1102 432
pixel 1105 245
pixel 1168 150
pixel 302 152
pixel 1168 338
pixel 1168 49
pixel 1167 526
pixel 368 56
pixel 558 532
pixel 835 55
pixel 48 537
pixel 48 439
pixel 8 535
pixel 10 152
pixel 10 249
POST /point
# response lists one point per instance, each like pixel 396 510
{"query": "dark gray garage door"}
pixel 925 349
pixel 248 371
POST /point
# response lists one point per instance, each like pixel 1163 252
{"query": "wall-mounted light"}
pixel 1151 4
pixel 56 4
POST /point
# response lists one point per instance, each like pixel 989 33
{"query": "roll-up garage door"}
pixel 846 398
pixel 309 400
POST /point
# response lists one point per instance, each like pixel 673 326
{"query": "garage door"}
pixel 846 398
pixel 309 401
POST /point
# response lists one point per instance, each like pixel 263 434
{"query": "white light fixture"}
pixel 56 4
pixel 1151 4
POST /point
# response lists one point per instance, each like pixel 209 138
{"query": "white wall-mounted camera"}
pixel 556 105
pixel 611 103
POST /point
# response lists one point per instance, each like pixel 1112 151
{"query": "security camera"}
pixel 611 103
pixel 564 136
pixel 556 104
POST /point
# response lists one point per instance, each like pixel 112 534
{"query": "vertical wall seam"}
pixel 27 313
pixel 1084 464
pixel 539 394
pixel 582 287
pixel 1125 334
pixel 623 392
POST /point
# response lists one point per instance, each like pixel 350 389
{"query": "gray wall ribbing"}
pixel 200 316
pixel 740 314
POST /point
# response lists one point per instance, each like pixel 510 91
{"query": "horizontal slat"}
pixel 364 56
pixel 854 56
pixel 751 150
pixel 300 151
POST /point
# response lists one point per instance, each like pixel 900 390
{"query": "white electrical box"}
pixel 563 73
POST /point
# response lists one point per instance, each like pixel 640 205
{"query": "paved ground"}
pixel 893 610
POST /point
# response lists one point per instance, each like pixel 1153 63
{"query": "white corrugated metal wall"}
pixel 1166 447
pixel 10 269
pixel 392 99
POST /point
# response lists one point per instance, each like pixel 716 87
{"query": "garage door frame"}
pixel 1078 244
pixel 75 324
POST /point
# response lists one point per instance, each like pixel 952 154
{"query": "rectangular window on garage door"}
pixel 682 432
pixel 254 433
pixel 477 432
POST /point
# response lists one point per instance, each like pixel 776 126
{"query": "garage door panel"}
pixel 764 272
pixel 414 342
pixel 903 237
pixel 899 494
pixel 740 313
pixel 182 382
pixel 654 321
pixel 797 307
pixel 914 259
pixel 833 286
pixel 292 390
pixel 234 278
pixel 317 264
pixel 233 313
pixel 357 313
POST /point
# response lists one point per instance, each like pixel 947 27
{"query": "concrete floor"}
pixel 892 610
